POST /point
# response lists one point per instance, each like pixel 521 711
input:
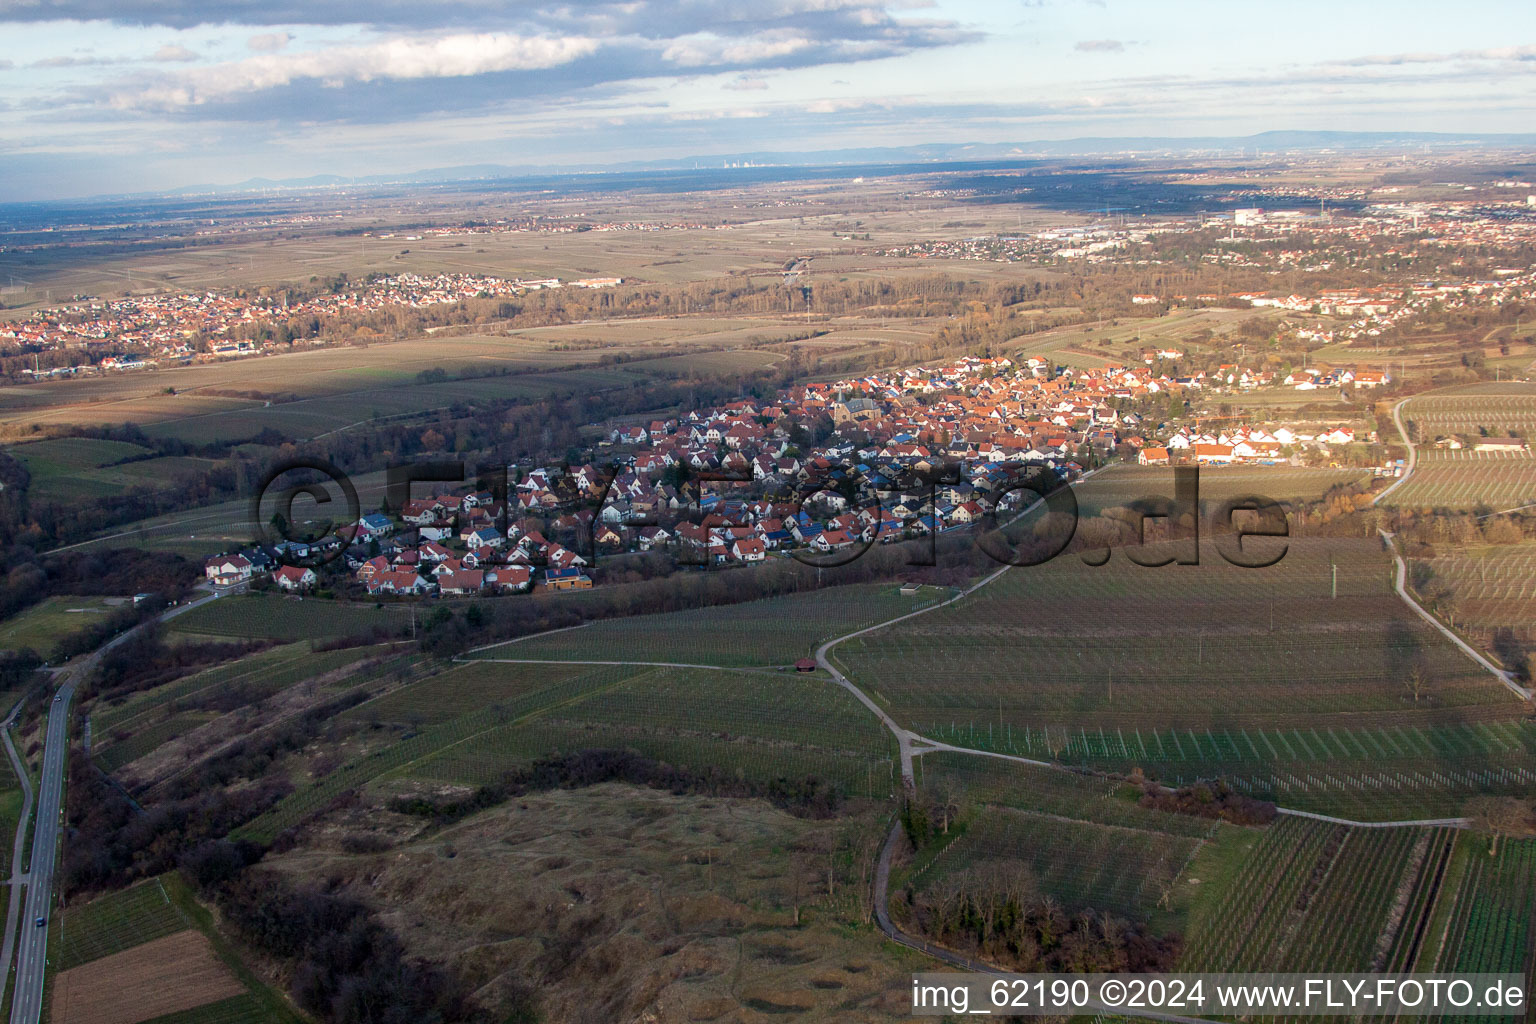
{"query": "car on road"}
pixel 42 921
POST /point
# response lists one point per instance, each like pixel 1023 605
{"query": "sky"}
pixel 115 96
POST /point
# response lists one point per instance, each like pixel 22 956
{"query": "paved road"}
pixel 1400 582
pixel 1413 455
pixel 31 941
pixel 18 881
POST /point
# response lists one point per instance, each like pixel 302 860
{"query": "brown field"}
pixel 681 908
pixel 308 393
pixel 766 225
pixel 178 972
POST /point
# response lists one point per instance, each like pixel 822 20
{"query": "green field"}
pixel 69 469
pixel 1085 840
pixel 1495 905
pixel 62 456
pixel 1085 866
pixel 756 725
pixel 277 617
pixel 242 1009
pixel 968 779
pixel 44 624
pixel 775 631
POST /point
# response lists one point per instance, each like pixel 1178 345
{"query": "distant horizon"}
pixel 917 155
pixel 139 96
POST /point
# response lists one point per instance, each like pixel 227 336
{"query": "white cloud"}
pixel 171 52
pixel 269 42
pixel 453 56
pixel 1498 53
pixel 746 83
pixel 705 48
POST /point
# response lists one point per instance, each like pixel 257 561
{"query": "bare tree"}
pixel 1500 816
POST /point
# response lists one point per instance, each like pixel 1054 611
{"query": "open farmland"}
pixel 306 394
pixel 759 726
pixel 177 973
pixel 775 631
pixel 149 953
pixel 1213 645
pixel 1121 485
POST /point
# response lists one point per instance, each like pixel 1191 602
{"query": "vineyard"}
pixel 1492 588
pixel 276 617
pixel 1315 896
pixel 117 921
pixel 1364 773
pixel 1463 478
pixel 464 689
pixel 1492 919
pixel 776 631
pixel 141 724
pixel 756 725
pixel 1319 640
pixel 1468 480
pixel 1498 409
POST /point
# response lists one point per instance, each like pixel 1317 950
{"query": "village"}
pixel 822 468
pixel 142 332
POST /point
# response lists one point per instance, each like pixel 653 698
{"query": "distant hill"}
pixel 1262 144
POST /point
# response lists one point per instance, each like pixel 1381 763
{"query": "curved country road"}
pixel 1413 454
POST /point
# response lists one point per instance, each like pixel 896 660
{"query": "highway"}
pixel 31 941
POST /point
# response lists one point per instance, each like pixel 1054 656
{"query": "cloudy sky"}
pixel 123 95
